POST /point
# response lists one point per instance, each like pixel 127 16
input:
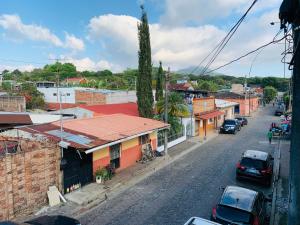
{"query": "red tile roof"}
pixel 209 115
pixel 130 109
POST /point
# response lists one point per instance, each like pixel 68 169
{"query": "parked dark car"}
pixel 230 126
pixel 279 112
pixel 53 220
pixel 241 206
pixel 242 120
pixel 256 166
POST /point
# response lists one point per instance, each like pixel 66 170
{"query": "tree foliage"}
pixel 269 93
pixel 144 78
pixel 176 108
pixel 159 94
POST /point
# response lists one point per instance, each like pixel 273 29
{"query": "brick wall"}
pixel 12 103
pixel 89 98
pixel 201 105
pixel 25 177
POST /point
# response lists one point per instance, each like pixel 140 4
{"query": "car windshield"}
pixel 229 122
pixel 255 163
pixel 233 215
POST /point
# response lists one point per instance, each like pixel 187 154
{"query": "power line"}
pixel 219 47
pixel 245 55
pixel 232 32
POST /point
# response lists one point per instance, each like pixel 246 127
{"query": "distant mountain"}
pixel 192 70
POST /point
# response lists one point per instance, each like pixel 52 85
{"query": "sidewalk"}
pixel 89 196
pixel 281 187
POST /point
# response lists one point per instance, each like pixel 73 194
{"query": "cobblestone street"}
pixel 191 185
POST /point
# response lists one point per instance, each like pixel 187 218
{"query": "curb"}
pixel 275 183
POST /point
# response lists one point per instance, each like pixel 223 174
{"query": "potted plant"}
pixel 101 175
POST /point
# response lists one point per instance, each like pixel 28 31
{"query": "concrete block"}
pixel 53 197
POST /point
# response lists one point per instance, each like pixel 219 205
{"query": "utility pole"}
pixel 289 13
pixel 167 77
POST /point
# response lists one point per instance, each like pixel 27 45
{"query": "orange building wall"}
pixel 201 105
pixel 130 153
pixel 101 159
pixel 244 105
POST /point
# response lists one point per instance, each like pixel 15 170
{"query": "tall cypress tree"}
pixel 159 83
pixel 144 78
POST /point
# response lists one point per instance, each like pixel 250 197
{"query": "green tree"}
pixel 159 83
pixel 144 79
pixel 34 98
pixel 176 108
pixel 269 93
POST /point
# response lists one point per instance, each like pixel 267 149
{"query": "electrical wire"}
pixel 227 38
pixel 220 46
pixel 245 55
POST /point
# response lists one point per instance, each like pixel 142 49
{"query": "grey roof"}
pixel 253 154
pixel 79 139
pixel 238 197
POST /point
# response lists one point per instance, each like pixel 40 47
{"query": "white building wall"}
pixel 51 95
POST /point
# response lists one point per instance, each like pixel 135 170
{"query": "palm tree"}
pixel 177 108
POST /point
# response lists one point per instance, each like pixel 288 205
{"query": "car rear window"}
pixel 233 215
pixel 229 122
pixel 256 163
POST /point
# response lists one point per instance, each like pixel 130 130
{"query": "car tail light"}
pixel 267 171
pixel 256 221
pixel 239 166
pixel 214 213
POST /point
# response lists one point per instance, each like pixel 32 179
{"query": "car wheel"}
pixel 234 132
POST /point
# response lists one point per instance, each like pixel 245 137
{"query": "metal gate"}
pixel 78 171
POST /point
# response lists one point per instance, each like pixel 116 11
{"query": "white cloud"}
pixel 16 30
pixel 23 68
pixel 178 12
pixel 74 43
pixel 86 63
pixel 184 46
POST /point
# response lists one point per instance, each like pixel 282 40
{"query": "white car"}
pixel 200 221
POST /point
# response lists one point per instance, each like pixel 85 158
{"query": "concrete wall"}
pixel 12 103
pixel 77 111
pixel 51 95
pixel 121 97
pixel 244 105
pixel 25 177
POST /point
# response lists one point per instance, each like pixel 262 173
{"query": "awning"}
pixel 210 115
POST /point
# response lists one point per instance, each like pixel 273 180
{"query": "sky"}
pixel 102 34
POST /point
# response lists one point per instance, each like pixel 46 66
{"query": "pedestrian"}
pixel 270 136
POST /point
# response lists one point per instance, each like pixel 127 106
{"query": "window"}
pixel 68 94
pixel 211 120
pixel 115 155
pixel 144 139
pixel 54 94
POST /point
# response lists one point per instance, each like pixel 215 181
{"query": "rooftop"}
pixel 220 103
pixel 231 95
pixel 130 108
pixel 238 197
pixel 113 127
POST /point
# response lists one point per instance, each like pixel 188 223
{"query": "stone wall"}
pixel 12 103
pixel 26 175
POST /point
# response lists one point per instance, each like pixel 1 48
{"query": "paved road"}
pixel 190 186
